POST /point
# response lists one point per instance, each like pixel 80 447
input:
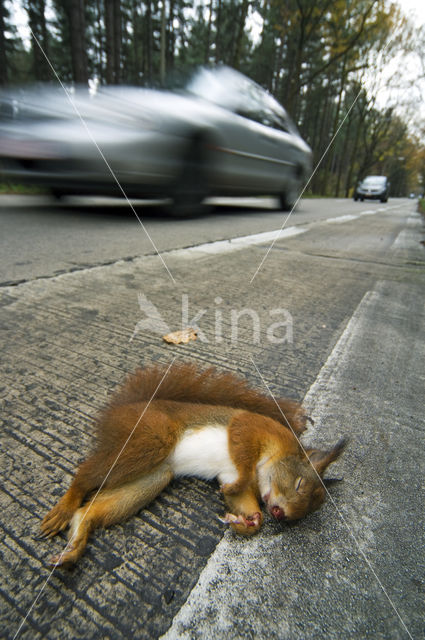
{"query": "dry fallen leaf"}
pixel 180 337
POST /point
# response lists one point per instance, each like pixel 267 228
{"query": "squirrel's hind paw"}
pixel 56 520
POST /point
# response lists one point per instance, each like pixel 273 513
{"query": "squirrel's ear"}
pixel 321 459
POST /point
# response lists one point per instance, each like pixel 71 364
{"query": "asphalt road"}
pixel 39 238
pixel 345 284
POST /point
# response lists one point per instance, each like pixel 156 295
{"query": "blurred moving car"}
pixel 221 135
pixel 373 188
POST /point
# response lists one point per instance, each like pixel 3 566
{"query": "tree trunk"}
pixel 100 41
pixel 3 55
pixel 320 180
pixel 39 41
pixel 148 44
pixel 342 158
pixel 171 38
pixel 78 42
pixel 218 32
pixel 208 40
pixel 162 45
pixel 117 41
pixel 239 34
pixel 113 41
pixel 136 43
pixel 294 79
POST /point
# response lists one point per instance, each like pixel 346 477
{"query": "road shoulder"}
pixel 306 579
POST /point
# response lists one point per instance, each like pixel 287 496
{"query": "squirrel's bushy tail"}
pixel 187 383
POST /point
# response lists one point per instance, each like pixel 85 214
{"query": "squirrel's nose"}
pixel 277 513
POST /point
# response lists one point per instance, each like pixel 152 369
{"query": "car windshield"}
pixel 373 181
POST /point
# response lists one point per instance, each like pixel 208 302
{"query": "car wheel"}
pixel 191 187
pixel 288 198
pixel 58 194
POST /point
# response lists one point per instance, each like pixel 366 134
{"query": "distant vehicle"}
pixel 221 135
pixel 373 188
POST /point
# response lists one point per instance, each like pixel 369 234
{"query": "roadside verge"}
pixel 362 576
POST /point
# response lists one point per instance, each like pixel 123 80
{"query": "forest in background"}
pixel 324 60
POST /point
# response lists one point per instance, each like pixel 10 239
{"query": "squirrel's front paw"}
pixel 244 525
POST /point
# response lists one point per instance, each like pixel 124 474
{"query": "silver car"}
pixel 222 135
pixel 373 188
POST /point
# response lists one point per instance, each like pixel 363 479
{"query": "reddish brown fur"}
pixel 186 383
pixel 146 419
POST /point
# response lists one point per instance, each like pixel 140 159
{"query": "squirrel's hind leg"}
pixel 109 507
pixel 89 476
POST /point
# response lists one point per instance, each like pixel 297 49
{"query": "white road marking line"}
pixel 346 218
pixel 408 237
pixel 240 242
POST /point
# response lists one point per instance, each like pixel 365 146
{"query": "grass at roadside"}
pixel 19 189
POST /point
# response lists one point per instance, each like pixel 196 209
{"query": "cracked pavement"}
pixel 354 291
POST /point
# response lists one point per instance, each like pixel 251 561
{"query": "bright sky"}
pixel 410 98
pixel 416 6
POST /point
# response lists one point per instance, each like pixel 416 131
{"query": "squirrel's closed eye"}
pixel 298 483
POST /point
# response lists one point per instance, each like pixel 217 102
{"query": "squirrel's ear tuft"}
pixel 322 459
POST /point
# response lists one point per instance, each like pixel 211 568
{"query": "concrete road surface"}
pixel 330 311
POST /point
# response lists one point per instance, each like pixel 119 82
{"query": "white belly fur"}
pixel 204 453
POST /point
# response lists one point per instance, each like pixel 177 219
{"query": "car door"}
pixel 250 154
pixel 258 154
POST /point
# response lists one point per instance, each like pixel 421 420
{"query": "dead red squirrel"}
pixel 163 424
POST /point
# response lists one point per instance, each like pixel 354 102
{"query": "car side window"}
pixel 281 124
pixel 251 114
pixel 251 107
pixel 266 117
pixel 259 106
